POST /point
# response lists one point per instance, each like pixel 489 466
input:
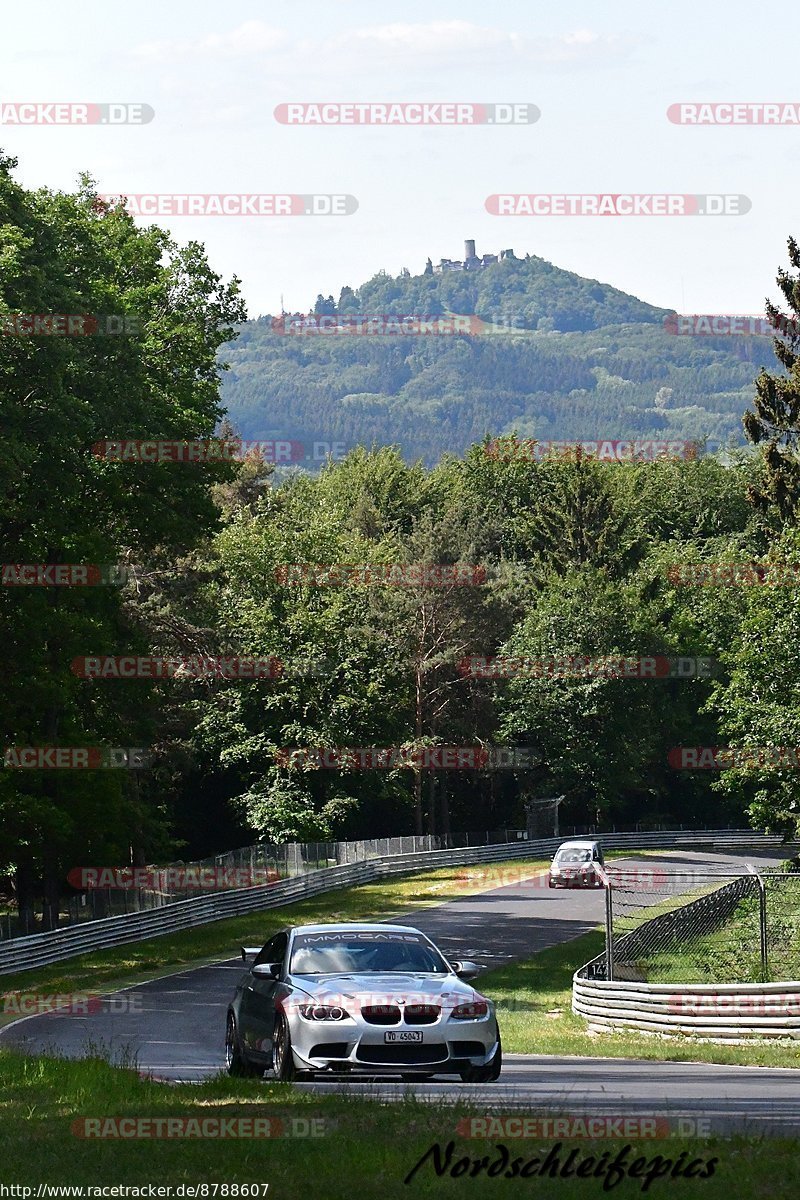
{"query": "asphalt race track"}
pixel 173 1027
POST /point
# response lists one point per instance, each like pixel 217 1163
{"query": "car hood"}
pixel 445 990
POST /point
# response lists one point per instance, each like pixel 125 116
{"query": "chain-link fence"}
pixel 110 891
pixel 701 926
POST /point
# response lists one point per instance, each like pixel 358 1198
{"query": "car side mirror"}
pixel 466 969
pixel 267 970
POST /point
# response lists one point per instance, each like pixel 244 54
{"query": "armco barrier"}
pixel 41 949
pixel 734 1012
pixel 729 1012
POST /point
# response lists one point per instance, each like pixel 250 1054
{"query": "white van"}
pixel 575 864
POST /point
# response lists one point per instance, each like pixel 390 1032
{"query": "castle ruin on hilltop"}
pixel 472 261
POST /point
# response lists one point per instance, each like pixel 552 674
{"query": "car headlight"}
pixel 471 1011
pixel 323 1012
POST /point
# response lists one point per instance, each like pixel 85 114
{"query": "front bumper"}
pixel 576 881
pixel 355 1046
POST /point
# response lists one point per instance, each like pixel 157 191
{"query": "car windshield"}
pixel 365 953
pixel 574 856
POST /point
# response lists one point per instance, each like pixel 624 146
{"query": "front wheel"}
pixel 235 1061
pixel 282 1057
pixel 487 1074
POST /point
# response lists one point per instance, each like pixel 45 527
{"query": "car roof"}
pixel 344 926
pixel 578 844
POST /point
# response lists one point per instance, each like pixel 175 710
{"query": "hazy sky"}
pixel 603 76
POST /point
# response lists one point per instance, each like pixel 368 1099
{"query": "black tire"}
pixel 235 1060
pixel 282 1057
pixel 488 1074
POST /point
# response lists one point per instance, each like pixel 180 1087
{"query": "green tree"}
pixel 603 739
pixel 774 420
pixel 758 703
pixel 61 503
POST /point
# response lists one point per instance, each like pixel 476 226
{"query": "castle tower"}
pixel 469 250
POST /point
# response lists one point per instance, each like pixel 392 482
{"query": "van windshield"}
pixel 574 856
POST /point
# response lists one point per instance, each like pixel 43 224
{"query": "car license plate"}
pixel 402 1035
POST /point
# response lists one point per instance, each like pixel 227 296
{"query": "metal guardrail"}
pixel 723 1012
pixel 42 949
pixel 132 891
pixel 151 887
pixel 734 1012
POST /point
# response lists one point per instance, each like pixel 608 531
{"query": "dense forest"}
pixel 555 357
pixel 525 561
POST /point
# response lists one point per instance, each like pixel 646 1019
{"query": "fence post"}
pixel 762 922
pixel 762 907
pixel 609 932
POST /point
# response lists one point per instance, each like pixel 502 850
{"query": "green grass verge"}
pixel 367 1149
pixel 121 966
pixel 534 998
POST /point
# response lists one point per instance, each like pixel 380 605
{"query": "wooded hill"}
pixel 559 357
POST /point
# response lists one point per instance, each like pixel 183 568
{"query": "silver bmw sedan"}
pixel 359 998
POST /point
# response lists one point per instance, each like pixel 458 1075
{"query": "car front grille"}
pixel 381 1014
pixel 404 1055
pixel 421 1014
